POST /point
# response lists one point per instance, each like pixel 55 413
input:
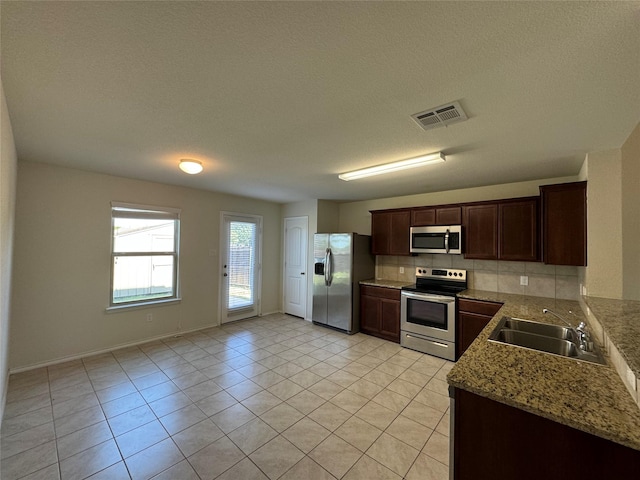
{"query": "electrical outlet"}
pixel 583 290
pixel 401 269
pixel 149 317
pixel 524 280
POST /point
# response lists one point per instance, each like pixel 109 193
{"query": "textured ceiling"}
pixel 277 98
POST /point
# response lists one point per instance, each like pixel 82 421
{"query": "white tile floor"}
pixel 265 398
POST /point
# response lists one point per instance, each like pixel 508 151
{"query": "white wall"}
pixel 630 156
pixel 603 275
pixel 8 168
pixel 328 217
pixel 62 262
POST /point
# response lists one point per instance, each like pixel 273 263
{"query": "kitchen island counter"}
pixel 585 396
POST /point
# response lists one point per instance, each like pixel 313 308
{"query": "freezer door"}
pixel 341 259
pixel 320 289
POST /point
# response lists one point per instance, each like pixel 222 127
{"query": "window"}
pixel 144 254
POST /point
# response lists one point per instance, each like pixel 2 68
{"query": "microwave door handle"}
pixel 446 241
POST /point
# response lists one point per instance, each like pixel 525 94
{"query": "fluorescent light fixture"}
pixel 190 166
pixel 437 157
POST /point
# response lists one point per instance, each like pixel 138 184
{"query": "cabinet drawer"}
pixel 381 292
pixel 478 306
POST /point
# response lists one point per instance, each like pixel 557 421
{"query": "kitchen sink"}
pixel 544 329
pixel 543 337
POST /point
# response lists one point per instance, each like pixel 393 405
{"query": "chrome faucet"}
pixel 581 331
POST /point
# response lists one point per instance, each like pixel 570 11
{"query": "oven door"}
pixel 428 315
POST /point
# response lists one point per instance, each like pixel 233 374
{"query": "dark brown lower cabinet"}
pixel 473 316
pixel 493 441
pixel 380 312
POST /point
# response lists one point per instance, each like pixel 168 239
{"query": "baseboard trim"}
pixel 3 400
pixel 90 353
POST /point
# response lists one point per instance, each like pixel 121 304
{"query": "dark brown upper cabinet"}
pixel 564 223
pixel 502 230
pixel 518 230
pixel 480 223
pixel 445 215
pixel 390 232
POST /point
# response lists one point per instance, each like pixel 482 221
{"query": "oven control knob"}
pixel 450 273
pixel 455 274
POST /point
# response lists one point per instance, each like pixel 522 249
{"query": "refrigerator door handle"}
pixel 328 268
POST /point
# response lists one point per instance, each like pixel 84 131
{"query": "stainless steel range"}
pixel 428 311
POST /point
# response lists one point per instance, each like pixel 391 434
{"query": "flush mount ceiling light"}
pixel 190 166
pixel 437 157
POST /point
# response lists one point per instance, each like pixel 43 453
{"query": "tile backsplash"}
pixel 492 275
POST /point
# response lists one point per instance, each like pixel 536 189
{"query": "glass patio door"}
pixel 240 267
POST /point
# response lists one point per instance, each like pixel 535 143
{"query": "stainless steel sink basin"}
pixel 542 343
pixel 542 337
pixel 545 329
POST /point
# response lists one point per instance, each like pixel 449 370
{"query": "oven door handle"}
pixel 429 298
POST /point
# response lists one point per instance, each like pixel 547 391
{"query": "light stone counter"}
pixel 620 320
pixel 585 396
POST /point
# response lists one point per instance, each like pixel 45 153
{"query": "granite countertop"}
pixel 384 283
pixel 582 395
pixel 621 321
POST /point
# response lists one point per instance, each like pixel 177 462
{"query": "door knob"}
pixel 225 274
pixel 301 273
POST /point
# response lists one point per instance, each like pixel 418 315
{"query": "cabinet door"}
pixel 380 232
pixel 469 327
pixel 399 235
pixel 390 232
pixel 425 216
pixel 481 231
pixel 390 319
pixel 564 223
pixel 369 314
pixel 422 217
pixel 518 229
pixel 448 216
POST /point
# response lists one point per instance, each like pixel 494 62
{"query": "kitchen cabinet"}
pixel 480 223
pixel 380 312
pixel 518 229
pixel 390 232
pixel 502 230
pixel 439 215
pixel 473 316
pixel 564 223
pixel 494 441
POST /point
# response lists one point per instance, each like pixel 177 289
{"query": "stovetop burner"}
pixel 439 281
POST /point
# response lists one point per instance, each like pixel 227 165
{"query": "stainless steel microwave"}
pixel 437 239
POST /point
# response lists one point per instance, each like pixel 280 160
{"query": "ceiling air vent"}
pixel 440 116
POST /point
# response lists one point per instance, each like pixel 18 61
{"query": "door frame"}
pixel 306 258
pixel 222 318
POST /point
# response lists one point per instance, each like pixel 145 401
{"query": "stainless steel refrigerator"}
pixel 341 261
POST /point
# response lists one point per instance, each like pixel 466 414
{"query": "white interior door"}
pixel 296 232
pixel 240 266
